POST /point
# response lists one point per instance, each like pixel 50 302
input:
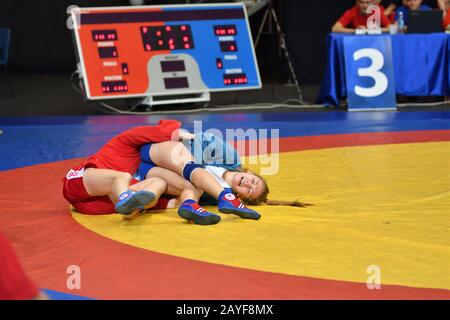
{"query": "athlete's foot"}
pixel 190 210
pixel 229 203
pixel 131 201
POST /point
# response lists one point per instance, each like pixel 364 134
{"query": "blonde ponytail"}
pixel 287 203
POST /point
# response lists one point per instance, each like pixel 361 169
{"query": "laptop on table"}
pixel 425 21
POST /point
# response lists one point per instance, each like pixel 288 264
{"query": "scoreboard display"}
pixel 163 50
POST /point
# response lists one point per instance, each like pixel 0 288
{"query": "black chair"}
pixel 5 40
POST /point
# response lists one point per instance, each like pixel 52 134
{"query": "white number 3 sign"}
pixel 373 71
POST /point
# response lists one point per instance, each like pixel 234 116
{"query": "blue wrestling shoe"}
pixel 190 210
pixel 228 203
pixel 131 201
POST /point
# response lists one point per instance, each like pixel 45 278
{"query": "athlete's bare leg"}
pixel 176 184
pixel 174 156
pixel 115 184
pixel 177 158
pixel 101 182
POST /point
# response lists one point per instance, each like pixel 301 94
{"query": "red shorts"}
pixel 75 193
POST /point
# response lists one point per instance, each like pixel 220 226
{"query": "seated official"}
pixel 356 18
pixel 388 11
pixel 410 5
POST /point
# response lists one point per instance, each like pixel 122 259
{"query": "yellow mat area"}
pixel 383 205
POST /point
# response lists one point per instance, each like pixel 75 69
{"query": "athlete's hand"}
pixel 182 135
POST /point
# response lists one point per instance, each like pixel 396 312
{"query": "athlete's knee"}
pixel 125 176
pixel 179 155
pixel 159 183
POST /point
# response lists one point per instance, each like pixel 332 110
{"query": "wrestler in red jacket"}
pixel 104 179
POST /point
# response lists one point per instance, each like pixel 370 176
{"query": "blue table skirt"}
pixel 421 66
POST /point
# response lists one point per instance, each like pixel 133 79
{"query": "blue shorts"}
pixel 145 153
pixel 147 163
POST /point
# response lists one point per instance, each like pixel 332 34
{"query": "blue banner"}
pixel 369 73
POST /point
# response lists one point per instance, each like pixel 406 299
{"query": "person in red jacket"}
pixel 447 20
pixel 388 11
pixel 101 183
pixel 14 283
pixel 444 5
pixel 356 18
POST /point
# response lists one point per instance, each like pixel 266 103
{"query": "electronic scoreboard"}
pixel 151 51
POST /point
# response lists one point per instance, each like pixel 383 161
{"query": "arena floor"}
pixel 378 182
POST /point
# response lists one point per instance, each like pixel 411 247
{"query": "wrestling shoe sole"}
pixel 243 215
pixel 136 202
pixel 202 220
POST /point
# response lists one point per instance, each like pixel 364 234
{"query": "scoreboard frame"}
pixel 76 12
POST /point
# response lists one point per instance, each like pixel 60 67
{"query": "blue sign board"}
pixel 369 73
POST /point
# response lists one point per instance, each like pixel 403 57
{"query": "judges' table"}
pixel 421 66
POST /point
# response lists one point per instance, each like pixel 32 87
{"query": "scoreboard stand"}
pixel 151 101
